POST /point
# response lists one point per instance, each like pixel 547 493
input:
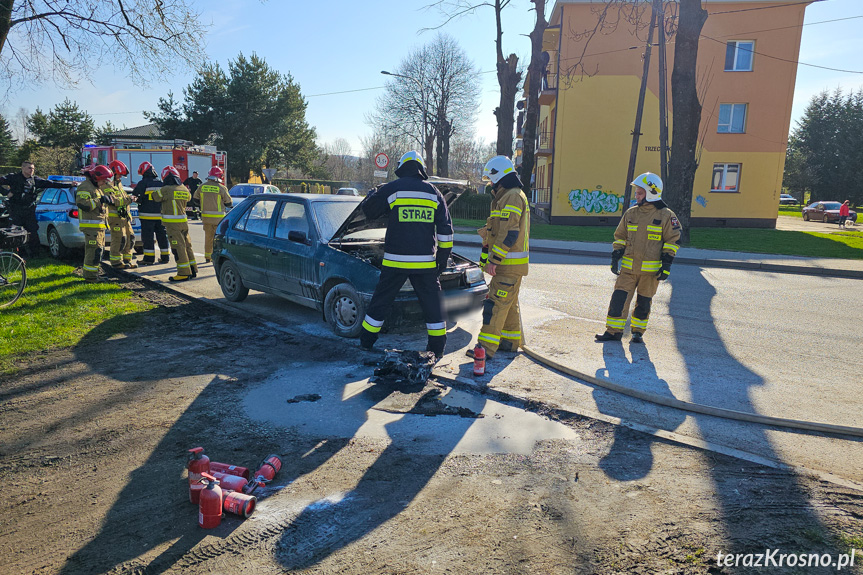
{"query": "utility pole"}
pixel 659 8
pixel 636 132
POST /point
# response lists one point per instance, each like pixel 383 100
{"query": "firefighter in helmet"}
pixel 505 240
pixel 119 220
pixel 417 248
pixel 150 214
pixel 174 197
pixel 92 197
pixel 645 243
pixel 212 196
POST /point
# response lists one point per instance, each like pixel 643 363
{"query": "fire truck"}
pixel 181 154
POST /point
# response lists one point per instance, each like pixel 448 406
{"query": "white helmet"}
pixel 413 155
pixel 496 168
pixel 651 184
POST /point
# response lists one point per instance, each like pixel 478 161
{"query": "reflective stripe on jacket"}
pixel 213 197
pixel 508 231
pixel 645 233
pixel 121 199
pixel 148 208
pixel 174 200
pixel 92 212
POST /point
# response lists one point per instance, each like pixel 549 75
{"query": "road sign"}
pixel 380 173
pixel 382 161
pixel 269 172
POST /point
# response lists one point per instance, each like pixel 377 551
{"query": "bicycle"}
pixel 13 269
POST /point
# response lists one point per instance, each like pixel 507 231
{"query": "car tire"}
pixel 55 245
pixel 805 216
pixel 825 219
pixel 345 310
pixel 231 282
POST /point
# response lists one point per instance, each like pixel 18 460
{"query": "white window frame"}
pixel 737 43
pixel 725 166
pixel 730 123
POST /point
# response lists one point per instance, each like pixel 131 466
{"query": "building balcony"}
pixel 540 196
pixel 545 144
pixel 548 89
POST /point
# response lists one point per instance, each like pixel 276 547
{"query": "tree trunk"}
pixel 5 21
pixel 686 114
pixel 429 153
pixel 444 133
pixel 531 116
pixel 508 77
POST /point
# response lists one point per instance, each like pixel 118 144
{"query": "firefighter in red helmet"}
pixel 150 214
pixel 212 196
pixel 174 197
pixel 92 197
pixel 119 220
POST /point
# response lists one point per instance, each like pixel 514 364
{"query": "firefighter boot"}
pixel 637 337
pixel 194 271
pixel 608 336
pixel 165 259
pixel 179 278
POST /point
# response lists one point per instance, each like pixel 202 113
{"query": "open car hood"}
pixel 357 221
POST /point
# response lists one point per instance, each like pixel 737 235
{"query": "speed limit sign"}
pixel 382 161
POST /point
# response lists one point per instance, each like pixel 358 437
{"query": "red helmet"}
pixel 144 167
pixel 119 168
pixel 167 170
pixel 101 173
pixel 216 172
pixel 87 168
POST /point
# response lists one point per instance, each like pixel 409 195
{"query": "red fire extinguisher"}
pixel 229 469
pixel 479 360
pixel 198 465
pixel 239 503
pixel 210 504
pixel 230 482
pixel 265 473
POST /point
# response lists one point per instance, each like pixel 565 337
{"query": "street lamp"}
pixel 422 105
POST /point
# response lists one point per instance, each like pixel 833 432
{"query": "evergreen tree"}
pixel 64 126
pixel 8 150
pixel 102 136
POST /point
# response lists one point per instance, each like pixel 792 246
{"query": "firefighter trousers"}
pixel 149 228
pixel 501 319
pixel 427 289
pixel 209 234
pixel 181 243
pixel 122 240
pixel 628 284
pixel 94 243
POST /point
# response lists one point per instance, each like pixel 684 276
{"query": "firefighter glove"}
pixel 616 255
pixel 665 271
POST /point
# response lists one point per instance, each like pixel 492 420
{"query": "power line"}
pixel 798 62
pixel 766 7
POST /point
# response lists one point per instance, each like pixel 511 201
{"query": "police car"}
pixel 57 216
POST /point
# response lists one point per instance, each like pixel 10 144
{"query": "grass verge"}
pixel 840 244
pixel 57 309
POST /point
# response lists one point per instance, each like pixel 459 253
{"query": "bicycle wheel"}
pixel 13 278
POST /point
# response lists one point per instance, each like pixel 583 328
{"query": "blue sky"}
pixel 340 45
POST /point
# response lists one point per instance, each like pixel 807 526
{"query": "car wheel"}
pixel 805 216
pixel 55 245
pixel 825 219
pixel 231 282
pixel 345 310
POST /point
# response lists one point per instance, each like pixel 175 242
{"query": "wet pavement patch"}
pixel 426 402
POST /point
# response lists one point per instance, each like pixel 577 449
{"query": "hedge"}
pixel 472 207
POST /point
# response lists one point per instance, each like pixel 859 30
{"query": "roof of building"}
pixel 146 131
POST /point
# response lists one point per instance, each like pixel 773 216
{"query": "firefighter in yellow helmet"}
pixel 91 197
pixel 505 238
pixel 120 221
pixel 645 243
pixel 212 196
pixel 174 197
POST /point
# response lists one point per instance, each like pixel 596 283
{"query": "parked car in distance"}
pixel 319 250
pixel 240 192
pixel 347 192
pixel 825 212
pixel 787 200
pixel 57 216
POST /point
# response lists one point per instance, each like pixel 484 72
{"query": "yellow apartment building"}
pixel 746 74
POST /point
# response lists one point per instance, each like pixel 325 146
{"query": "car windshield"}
pixel 331 215
pixel 831 205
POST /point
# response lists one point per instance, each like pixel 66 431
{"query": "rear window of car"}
pixel 49 196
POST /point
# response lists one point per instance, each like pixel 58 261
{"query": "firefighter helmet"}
pixel 100 173
pixel 119 168
pixel 144 168
pixel 413 155
pixel 651 184
pixel 216 173
pixel 168 170
pixel 496 168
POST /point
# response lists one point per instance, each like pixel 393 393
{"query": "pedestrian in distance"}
pixel 21 202
pixel 417 247
pixel 92 198
pixel 645 243
pixel 174 196
pixel 844 212
pixel 120 221
pixel 213 197
pixel 150 214
pixel 505 241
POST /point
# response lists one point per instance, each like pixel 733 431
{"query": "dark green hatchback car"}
pixel 319 250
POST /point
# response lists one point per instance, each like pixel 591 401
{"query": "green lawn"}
pixel 57 309
pixel 792 211
pixel 848 245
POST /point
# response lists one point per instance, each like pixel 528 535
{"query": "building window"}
pixel 732 118
pixel 726 178
pixel 738 56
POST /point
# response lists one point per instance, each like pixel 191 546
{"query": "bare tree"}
pixel 339 163
pixel 467 158
pixel 380 142
pixel 63 40
pixel 534 76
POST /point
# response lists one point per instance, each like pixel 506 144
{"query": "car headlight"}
pixel 474 275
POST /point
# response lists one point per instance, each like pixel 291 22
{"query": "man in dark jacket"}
pixel 150 214
pixel 417 248
pixel 192 183
pixel 22 202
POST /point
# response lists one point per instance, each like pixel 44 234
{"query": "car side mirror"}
pixel 298 236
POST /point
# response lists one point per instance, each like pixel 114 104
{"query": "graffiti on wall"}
pixel 595 201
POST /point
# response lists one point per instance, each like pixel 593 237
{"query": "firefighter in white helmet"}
pixel 645 243
pixel 505 237
pixel 212 196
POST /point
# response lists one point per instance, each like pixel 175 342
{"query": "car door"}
pixel 47 212
pixel 249 239
pixel 291 250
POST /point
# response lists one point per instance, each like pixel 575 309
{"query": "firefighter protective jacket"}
pixel 646 233
pixel 121 201
pixel 419 230
pixel 148 208
pixel 174 199
pixel 92 216
pixel 507 232
pixel 23 190
pixel 213 197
